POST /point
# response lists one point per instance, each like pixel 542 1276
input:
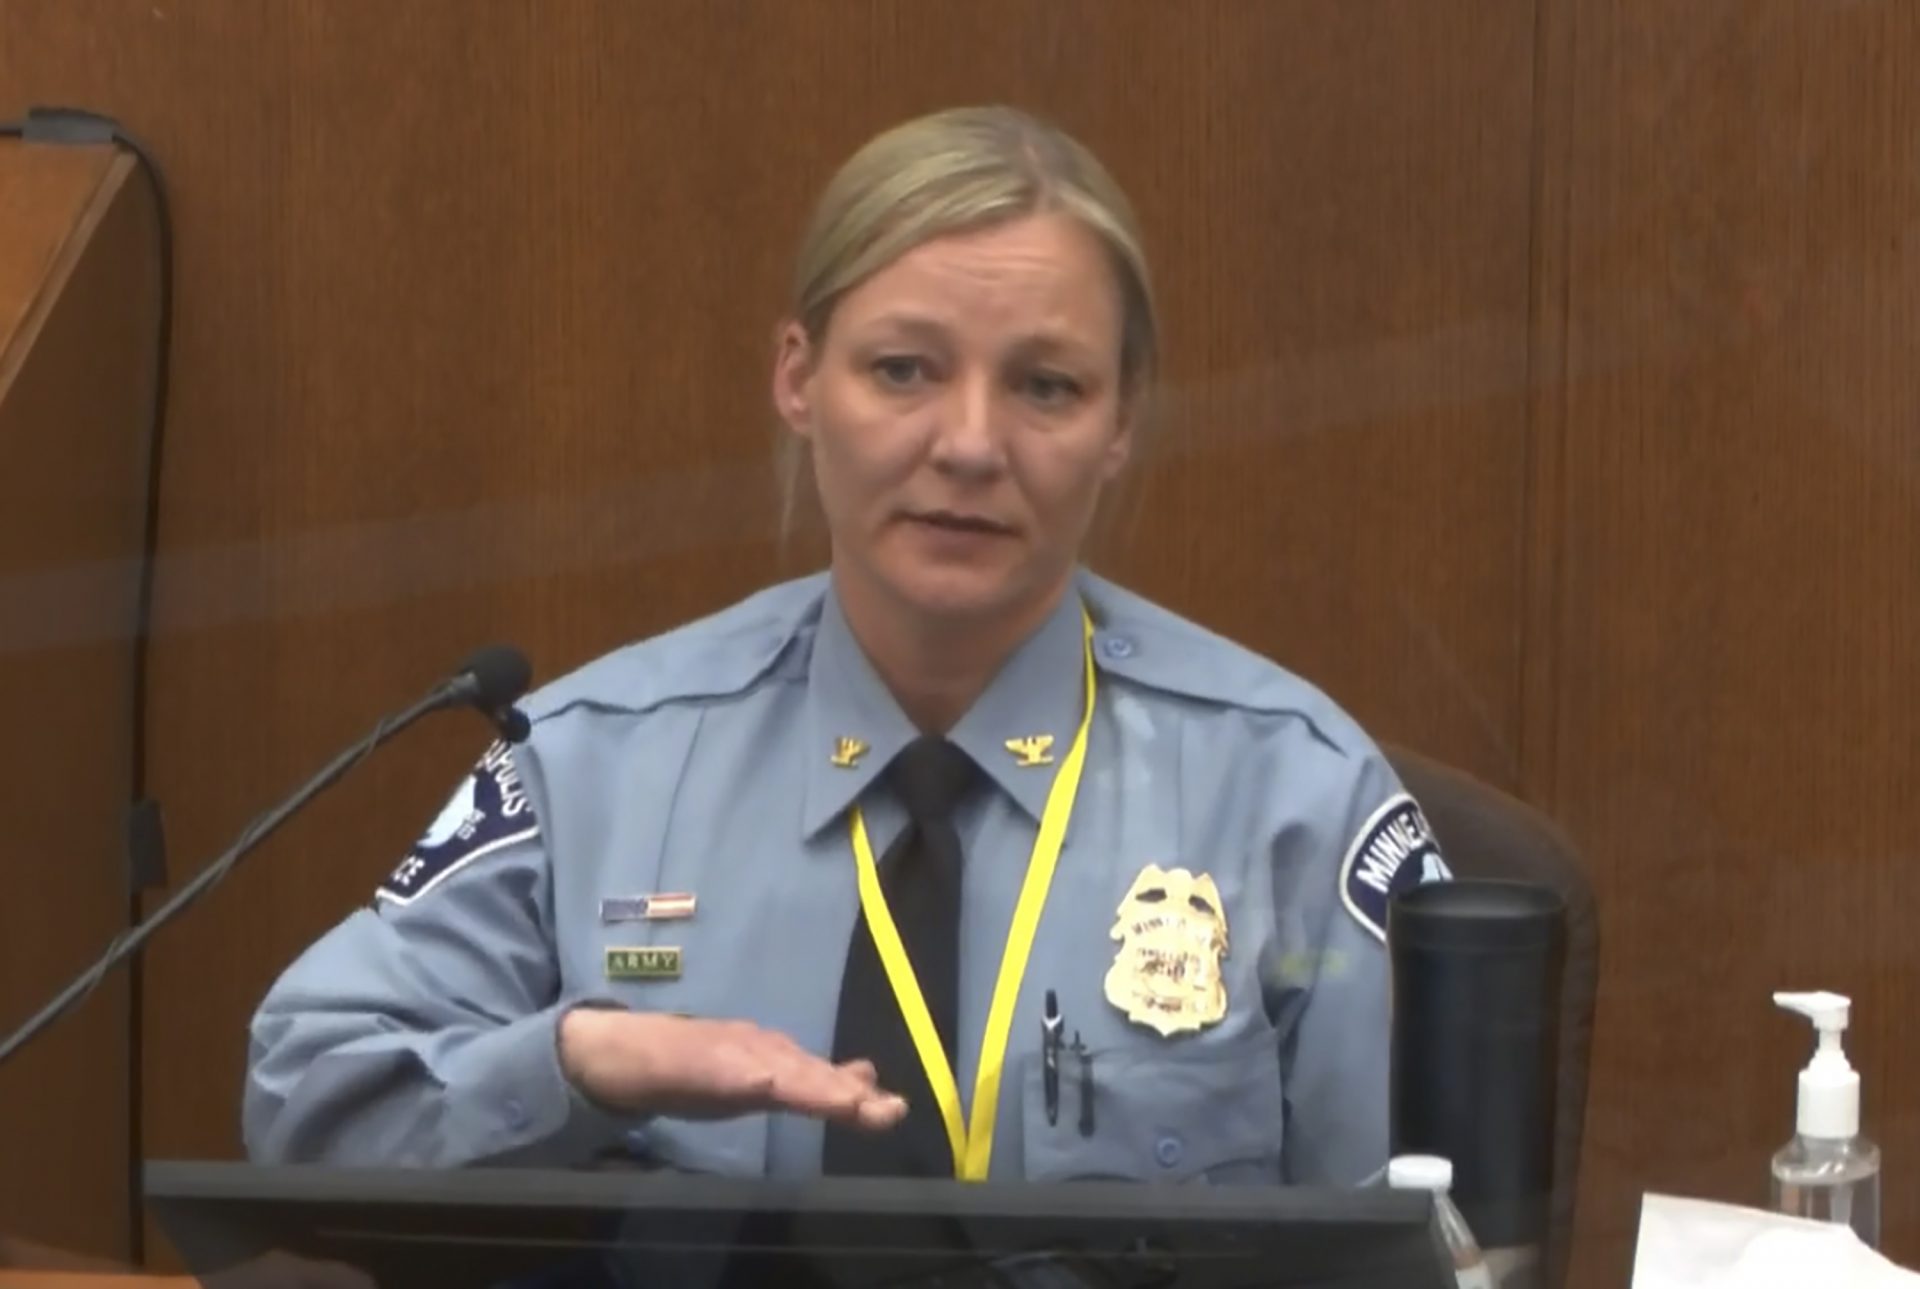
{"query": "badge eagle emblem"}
pixel 1172 930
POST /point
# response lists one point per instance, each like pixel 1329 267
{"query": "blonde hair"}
pixel 956 171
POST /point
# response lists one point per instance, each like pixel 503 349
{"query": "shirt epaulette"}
pixel 724 654
pixel 1144 644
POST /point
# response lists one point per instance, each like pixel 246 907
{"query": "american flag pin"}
pixel 674 906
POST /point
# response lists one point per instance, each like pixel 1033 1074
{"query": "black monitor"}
pixel 522 1229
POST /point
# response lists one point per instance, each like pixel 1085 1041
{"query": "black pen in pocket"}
pixel 1050 1055
pixel 1086 1085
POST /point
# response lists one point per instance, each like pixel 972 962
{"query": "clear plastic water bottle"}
pixel 1432 1173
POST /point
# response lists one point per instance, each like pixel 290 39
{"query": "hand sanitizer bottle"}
pixel 1828 1171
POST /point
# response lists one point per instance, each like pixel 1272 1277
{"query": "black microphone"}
pixel 491 681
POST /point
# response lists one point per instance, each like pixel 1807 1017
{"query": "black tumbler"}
pixel 1476 1035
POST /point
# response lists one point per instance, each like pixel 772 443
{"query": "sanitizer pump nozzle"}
pixel 1829 1086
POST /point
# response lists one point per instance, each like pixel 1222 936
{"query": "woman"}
pixel 955 859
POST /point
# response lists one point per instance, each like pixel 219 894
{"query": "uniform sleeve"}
pixel 1334 876
pixel 423 1031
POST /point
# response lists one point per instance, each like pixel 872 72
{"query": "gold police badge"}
pixel 1173 933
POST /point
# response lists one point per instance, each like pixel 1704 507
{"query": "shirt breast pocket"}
pixel 1178 1113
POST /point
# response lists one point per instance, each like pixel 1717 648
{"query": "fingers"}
pixel 806 1084
pixel 878 1113
pixel 862 1070
pixel 708 1069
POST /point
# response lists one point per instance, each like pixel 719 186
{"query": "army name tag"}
pixel 653 962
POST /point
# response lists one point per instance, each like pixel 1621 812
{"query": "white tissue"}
pixel 1694 1244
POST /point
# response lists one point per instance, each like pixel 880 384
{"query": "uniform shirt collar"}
pixel 1037 695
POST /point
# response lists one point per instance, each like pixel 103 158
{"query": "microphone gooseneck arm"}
pixel 494 700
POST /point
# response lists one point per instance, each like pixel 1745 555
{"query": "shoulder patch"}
pixel 489 811
pixel 1395 851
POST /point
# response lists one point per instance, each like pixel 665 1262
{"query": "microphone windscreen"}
pixel 501 674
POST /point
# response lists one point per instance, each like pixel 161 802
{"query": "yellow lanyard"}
pixel 973 1145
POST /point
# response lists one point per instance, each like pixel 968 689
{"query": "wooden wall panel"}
pixel 1347 279
pixel 475 302
pixel 474 318
pixel 1738 625
pixel 77 286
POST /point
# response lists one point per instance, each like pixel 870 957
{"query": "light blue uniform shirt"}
pixel 422 1030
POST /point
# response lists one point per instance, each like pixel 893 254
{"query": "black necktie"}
pixel 920 876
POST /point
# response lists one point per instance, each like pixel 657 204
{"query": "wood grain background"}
pixel 1539 385
pixel 1736 625
pixel 77 303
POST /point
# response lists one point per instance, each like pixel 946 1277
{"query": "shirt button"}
pixel 516 1114
pixel 1168 1151
pixel 1116 647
